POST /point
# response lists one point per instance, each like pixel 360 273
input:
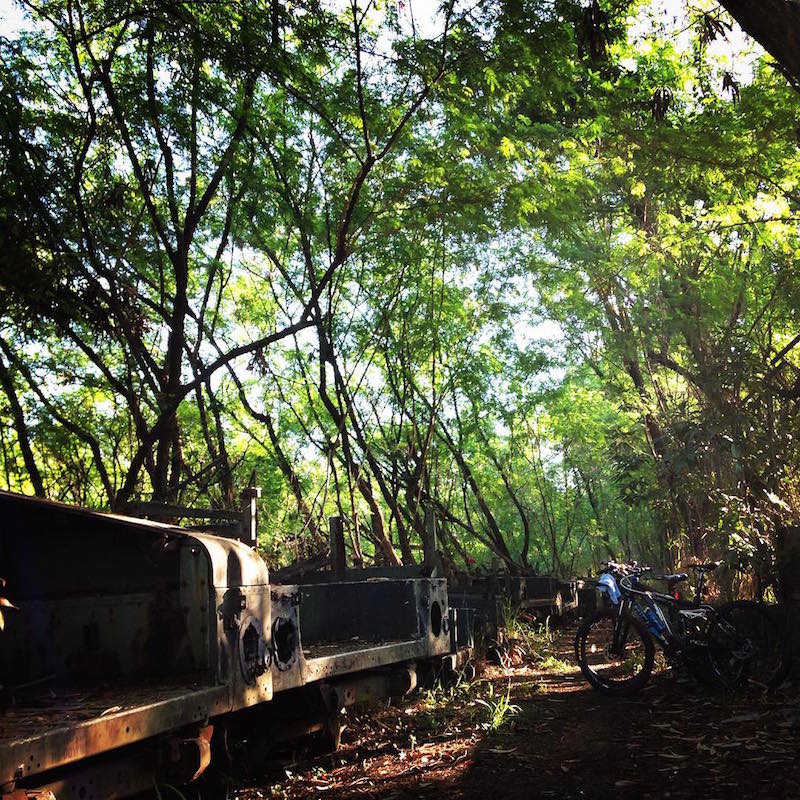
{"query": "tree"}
pixel 172 124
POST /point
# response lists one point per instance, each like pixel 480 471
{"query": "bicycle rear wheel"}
pixel 748 646
pixel 617 665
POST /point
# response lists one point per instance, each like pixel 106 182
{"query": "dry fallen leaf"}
pixel 4 603
pixel 740 718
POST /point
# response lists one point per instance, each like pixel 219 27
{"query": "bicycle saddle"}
pixel 675 578
pixel 708 567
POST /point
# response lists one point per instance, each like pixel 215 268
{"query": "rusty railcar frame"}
pixel 146 635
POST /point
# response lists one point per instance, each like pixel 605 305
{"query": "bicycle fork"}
pixel 622 626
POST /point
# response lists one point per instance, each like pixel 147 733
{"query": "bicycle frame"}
pixel 636 600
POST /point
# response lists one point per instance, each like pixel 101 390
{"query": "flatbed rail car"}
pixel 481 602
pixel 549 596
pixel 137 648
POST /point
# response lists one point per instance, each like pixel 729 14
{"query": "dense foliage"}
pixel 526 266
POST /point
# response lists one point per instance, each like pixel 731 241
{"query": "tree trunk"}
pixel 23 435
pixel 379 533
pixel 587 484
pixel 775 25
pixel 290 475
pixel 498 541
pixel 787 551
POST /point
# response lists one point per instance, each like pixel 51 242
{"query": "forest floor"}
pixel 536 730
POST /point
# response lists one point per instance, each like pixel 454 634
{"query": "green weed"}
pixel 555 665
pixel 172 789
pixel 512 620
pixel 497 708
pixel 534 639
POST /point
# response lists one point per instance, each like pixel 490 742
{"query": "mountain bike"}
pixel 740 643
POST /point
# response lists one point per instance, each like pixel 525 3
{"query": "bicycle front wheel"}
pixel 615 653
pixel 748 647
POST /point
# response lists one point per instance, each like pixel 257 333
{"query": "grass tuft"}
pixel 497 708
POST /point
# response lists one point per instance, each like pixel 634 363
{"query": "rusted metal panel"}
pixel 239 609
pixel 75 626
pixel 462 629
pixel 47 747
pixel 320 664
pixel 234 563
pixel 373 686
pixel 118 774
pixel 343 628
pixel 540 590
pixel 336 537
pixel 249 529
pixel 569 595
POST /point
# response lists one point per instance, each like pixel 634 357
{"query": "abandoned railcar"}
pixel 135 649
pixel 489 599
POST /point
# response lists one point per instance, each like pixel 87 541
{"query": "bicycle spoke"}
pixel 614 651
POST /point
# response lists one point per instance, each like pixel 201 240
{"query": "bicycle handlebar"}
pixel 634 568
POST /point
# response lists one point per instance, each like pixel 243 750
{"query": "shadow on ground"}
pixel 673 740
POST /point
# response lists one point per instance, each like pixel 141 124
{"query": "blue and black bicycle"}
pixel 740 643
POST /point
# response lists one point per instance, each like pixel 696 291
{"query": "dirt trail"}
pixel 674 740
